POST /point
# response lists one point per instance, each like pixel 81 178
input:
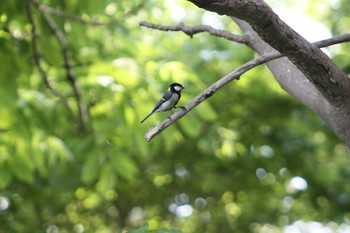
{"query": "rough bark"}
pixel 290 78
pixel 307 73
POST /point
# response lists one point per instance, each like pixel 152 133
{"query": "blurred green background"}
pixel 249 159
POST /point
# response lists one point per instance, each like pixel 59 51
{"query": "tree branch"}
pixel 235 74
pixel 319 69
pixel 46 12
pixel 37 58
pixel 67 58
pixel 190 31
pixel 293 81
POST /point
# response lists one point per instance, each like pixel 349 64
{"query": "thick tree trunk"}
pixel 307 73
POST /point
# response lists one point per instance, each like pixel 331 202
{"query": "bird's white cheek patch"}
pixel 177 88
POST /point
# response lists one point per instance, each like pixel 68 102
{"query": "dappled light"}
pixel 297 184
pixel 4 203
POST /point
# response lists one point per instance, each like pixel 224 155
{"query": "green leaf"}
pixel 91 168
pixel 142 229
pixel 191 126
pixel 5 176
pixel 21 167
pixel 105 181
pixel 206 112
pixel 58 148
pixel 123 166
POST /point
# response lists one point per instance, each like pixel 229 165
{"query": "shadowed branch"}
pixel 67 58
pixel 37 57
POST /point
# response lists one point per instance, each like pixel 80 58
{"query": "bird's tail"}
pixel 146 117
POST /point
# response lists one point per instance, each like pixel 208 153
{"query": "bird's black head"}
pixel 176 87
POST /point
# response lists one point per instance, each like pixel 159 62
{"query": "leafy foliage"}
pixel 227 166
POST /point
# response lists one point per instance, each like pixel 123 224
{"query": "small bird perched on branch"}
pixel 168 101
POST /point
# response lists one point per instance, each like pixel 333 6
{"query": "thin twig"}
pixel 192 30
pixel 37 57
pixel 67 58
pixel 235 74
pixel 332 41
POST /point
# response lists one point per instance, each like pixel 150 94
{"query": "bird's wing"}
pixel 165 98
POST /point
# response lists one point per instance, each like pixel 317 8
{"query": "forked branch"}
pixel 317 67
pixel 234 75
pixel 37 58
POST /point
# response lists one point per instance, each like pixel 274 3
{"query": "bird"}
pixel 168 101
